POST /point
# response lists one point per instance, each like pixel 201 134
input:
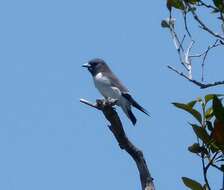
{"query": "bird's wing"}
pixel 134 103
pixel 116 82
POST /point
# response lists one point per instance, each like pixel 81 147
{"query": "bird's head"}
pixel 95 66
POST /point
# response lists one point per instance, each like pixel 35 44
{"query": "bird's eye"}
pixel 94 64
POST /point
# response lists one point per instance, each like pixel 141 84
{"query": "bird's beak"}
pixel 87 65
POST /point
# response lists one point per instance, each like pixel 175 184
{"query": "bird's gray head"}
pixel 96 66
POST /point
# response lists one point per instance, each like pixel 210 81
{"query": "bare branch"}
pixel 216 44
pixel 222 16
pixel 185 24
pixel 202 24
pixel 178 45
pixel 94 105
pixel 204 54
pixel 201 85
pixel 187 59
pixel 184 52
pixel 117 129
pixel 205 170
pixel 217 167
pixel 211 161
pixel 202 3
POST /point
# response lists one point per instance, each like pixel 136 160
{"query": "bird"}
pixel 111 87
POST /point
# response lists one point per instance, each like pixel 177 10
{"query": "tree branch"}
pixel 118 131
pixel 205 171
pixel 201 85
pixel 202 3
pixel 185 24
pixel 211 162
pixel 202 24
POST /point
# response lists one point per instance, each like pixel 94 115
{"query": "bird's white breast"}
pixel 103 84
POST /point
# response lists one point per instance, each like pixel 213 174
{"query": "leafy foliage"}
pixel 179 4
pixel 189 109
pixel 209 113
pixel 219 4
pixel 192 184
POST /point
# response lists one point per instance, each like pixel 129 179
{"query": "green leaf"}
pixel 196 148
pixel 213 146
pixel 201 133
pixel 192 184
pixel 209 113
pixel 220 147
pixel 178 4
pixel 219 4
pixel 192 1
pixel 192 103
pixel 218 109
pixel 199 99
pixel 210 97
pixel 189 109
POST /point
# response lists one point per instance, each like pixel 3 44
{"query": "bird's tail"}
pixel 135 104
pixel 129 114
pixel 132 117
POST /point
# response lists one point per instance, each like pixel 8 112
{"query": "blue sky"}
pixel 48 140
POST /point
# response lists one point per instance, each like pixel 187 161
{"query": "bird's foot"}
pixel 111 101
pixel 106 102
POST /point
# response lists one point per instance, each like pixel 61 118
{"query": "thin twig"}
pixel 216 44
pixel 177 42
pixel 204 54
pixel 222 180
pixel 202 24
pixel 222 174
pixel 205 171
pixel 217 167
pixel 184 53
pixel 222 17
pixel 201 85
pixel 94 105
pixel 202 3
pixel 211 161
pixel 204 58
pixel 178 45
pixel 185 24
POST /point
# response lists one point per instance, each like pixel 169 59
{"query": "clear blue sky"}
pixel 48 140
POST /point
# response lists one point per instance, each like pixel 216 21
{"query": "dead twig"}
pixel 202 24
pixel 201 85
pixel 202 3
